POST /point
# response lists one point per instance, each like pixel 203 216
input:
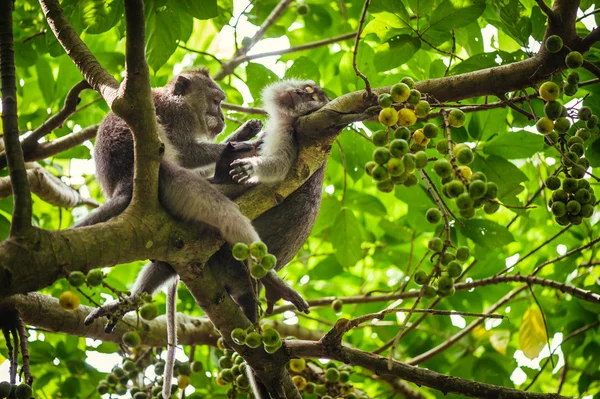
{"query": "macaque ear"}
pixel 182 86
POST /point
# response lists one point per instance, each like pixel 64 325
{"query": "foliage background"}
pixel 364 240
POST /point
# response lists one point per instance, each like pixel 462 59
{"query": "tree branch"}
pixel 98 77
pixel 21 220
pixel 45 150
pixel 49 188
pixel 420 376
pixel 246 110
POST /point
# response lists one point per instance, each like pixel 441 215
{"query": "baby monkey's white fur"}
pixel 285 102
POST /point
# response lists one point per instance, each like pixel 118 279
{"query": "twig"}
pixel 12 368
pixel 343 156
pixel 201 53
pixel 547 10
pixel 508 102
pixel 453 51
pixel 45 150
pixel 566 255
pixel 592 68
pixel 597 10
pixel 539 305
pixel 355 51
pixel 21 218
pixel 240 108
pixel 24 350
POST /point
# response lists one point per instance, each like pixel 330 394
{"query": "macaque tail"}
pixel 171 337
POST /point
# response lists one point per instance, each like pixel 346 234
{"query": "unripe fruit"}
pixel 464 201
pixel 381 155
pixel 410 162
pixel 422 109
pixel 544 125
pixel 575 219
pixel 240 251
pixel 586 210
pixel 454 188
pixel 5 389
pixel 299 382
pixel 402 133
pixel 332 375
pixel 310 388
pixel 558 209
pixel 442 146
pixel 463 253
pixel 344 377
pixel 552 183
pixel 270 349
pixel 491 190
pixel 321 389
pixel 491 207
pixel 415 97
pixel 421 159
pixel 271 337
pixel 258 249
pixel 132 339
pixel 465 156
pixel 578 171
pixel 369 166
pixel 582 196
pixel 561 125
pixel 570 90
pixel 592 122
pixel 253 340
pixel 297 365
pixel 395 167
pixel 69 300
pixel 574 60
pixel 420 277
pixel 573 207
pixel 380 138
pixel 549 91
pixel 242 381
pixel 407 80
pixel 76 279
pixel 479 176
pixel 159 368
pixel 23 391
pixel 226 375
pixel 551 138
pixel 573 78
pixel 183 381
pixel 94 277
pixel 380 173
pixel 301 8
pixel 433 215
pixel 477 189
pixel 553 109
pixel 430 130
pixel 400 92
pixel 445 283
pixel 442 168
pixel 385 186
pixel 385 100
pixel 419 138
pixel 197 367
pixel 268 262
pixel 554 44
pixel 435 244
pixel 257 271
pixel 456 118
pixel 238 335
pixel 411 180
pixel 406 117
pixel 398 147
pixel 447 258
pixel 454 269
pixel 128 366
pixel 140 395
pixel 337 305
pixel 570 185
pixel 577 149
pixel 388 117
pixel 149 311
pixel 465 172
pixel 429 292
pixel 559 196
pixel 446 293
pixel 584 113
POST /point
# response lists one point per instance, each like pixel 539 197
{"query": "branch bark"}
pixel 21 220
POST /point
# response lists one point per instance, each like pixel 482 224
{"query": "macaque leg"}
pixel 187 196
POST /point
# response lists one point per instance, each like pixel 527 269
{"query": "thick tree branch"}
pixel 21 220
pixel 49 188
pixel 55 121
pixel 98 77
pixel 420 376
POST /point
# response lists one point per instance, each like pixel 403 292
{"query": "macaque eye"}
pixel 309 89
pixel 217 101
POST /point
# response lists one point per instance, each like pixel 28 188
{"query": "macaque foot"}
pixel 247 131
pixel 114 311
pixel 243 171
pixel 276 288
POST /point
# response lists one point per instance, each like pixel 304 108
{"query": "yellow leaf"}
pixel 499 340
pixel 479 332
pixel 532 335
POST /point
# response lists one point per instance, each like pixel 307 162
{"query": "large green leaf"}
pixel 486 233
pixel 455 13
pixel 98 16
pixel 204 9
pixel 162 33
pixel 517 145
pixel 45 80
pixel 500 171
pixel 345 235
pixel 303 68
pixel 396 52
pixel 326 269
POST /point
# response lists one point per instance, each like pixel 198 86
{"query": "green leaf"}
pixel 486 233
pixel 357 150
pixel 326 269
pixel 259 77
pixel 485 124
pixel 45 80
pixel 98 16
pixel 517 145
pixel 106 347
pixel 205 9
pixel 330 207
pixel 509 18
pixel 345 235
pixel 41 352
pixel 396 52
pixel 303 68
pixel 71 387
pixel 592 152
pixel 500 171
pixel 365 203
pixel 420 7
pixel 455 13
pixel 162 33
